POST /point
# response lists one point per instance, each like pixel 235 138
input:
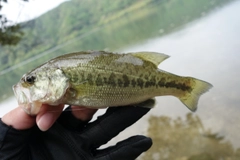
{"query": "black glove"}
pixel 72 139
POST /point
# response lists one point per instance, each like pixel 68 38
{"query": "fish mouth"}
pixel 25 101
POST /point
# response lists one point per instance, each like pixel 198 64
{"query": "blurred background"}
pixel 202 38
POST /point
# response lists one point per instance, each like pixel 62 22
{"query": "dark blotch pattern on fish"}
pixel 161 83
pixel 105 80
pixel 151 82
pixel 99 81
pixel 126 81
pixel 133 82
pixel 90 79
pixel 112 80
pixel 120 83
pixel 173 84
pixel 140 82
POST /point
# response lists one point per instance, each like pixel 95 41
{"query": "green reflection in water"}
pixel 186 139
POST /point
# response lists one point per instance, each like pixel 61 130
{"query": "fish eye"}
pixel 29 79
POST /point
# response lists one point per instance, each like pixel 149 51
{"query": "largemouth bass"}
pixel 99 79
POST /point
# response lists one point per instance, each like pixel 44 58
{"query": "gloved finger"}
pixel 75 117
pixel 115 120
pixel 128 149
pixel 83 113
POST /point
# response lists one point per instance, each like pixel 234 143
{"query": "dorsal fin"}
pixel 154 57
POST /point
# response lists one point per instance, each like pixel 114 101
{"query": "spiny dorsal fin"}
pixel 154 57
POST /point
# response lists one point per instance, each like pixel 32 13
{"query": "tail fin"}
pixel 190 100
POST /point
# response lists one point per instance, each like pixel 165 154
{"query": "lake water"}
pixel 208 49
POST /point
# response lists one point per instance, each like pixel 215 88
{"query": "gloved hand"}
pixel 83 139
pixel 72 139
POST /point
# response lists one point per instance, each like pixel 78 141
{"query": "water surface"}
pixel 208 49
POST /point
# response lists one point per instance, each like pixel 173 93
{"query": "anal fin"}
pixel 148 103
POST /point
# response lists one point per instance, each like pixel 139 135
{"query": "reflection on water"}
pixel 186 139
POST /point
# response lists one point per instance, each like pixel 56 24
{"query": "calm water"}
pixel 208 49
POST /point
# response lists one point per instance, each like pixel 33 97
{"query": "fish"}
pixel 100 79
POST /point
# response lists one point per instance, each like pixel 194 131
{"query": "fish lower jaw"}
pixel 32 108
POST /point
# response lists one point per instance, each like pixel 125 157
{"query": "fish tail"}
pixel 190 99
